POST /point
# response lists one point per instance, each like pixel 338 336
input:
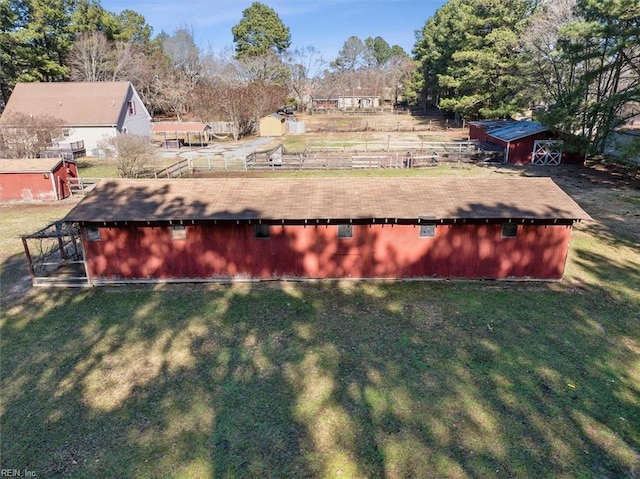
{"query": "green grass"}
pixel 331 379
pixel 97 168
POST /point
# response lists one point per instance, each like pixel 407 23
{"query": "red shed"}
pixel 36 179
pixel 249 228
pixel 524 142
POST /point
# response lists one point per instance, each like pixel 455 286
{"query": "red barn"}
pixel 36 179
pixel 249 228
pixel 524 142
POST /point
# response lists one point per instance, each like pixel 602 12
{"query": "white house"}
pixel 90 111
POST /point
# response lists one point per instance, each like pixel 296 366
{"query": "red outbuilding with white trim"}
pixel 36 178
pixel 524 142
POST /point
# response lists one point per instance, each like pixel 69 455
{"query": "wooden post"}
pixel 63 253
pixel 26 250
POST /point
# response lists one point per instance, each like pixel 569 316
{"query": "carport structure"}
pixel 176 134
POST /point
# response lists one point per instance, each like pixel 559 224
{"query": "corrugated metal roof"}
pixel 32 165
pixel 515 130
pixel 325 198
pixel 75 103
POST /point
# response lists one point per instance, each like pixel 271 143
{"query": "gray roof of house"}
pixel 326 198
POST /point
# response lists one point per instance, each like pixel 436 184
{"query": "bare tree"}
pixel 175 94
pixel 125 59
pixel 89 57
pixel 550 75
pixel 24 136
pixel 184 54
pixel 230 90
pixel 131 153
pixel 329 84
pixel 241 105
pixel 305 65
pixel 398 72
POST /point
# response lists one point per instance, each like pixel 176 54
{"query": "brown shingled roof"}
pixel 177 126
pixel 32 165
pixel 76 103
pixel 326 198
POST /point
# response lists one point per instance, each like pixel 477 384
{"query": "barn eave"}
pixel 380 221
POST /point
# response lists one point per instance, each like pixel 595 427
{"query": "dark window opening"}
pixel 261 231
pixel 93 233
pixel 345 231
pixel 427 231
pixel 509 230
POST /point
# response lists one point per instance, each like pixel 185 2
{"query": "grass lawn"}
pixel 97 168
pixel 334 379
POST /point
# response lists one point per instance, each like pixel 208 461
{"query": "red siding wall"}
pixel 34 186
pixel 26 186
pixel 476 132
pixel 521 151
pixel 456 251
pixel 64 171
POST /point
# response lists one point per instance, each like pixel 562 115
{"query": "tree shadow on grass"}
pixel 327 379
pixel 321 380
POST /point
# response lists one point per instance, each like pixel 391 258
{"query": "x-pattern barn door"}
pixel 547 152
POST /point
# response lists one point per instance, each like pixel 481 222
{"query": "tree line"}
pixel 78 40
pixel 573 63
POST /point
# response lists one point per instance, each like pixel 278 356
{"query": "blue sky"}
pixel 325 24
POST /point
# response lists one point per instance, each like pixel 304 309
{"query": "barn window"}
pixel 93 233
pixel 509 230
pixel 178 232
pixel 345 231
pixel 427 231
pixel 131 106
pixel 66 132
pixel 261 231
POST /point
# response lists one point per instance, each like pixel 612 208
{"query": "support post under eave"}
pixel 31 270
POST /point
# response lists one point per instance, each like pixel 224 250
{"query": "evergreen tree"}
pixel 378 51
pixel 599 52
pixel 469 57
pixel 260 32
pixel 351 56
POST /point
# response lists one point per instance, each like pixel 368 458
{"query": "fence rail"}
pixel 347 155
pixel 174 170
pixel 81 186
pixel 416 147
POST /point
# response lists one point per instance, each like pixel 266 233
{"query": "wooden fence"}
pixel 345 155
pixel 175 170
pixel 81 186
